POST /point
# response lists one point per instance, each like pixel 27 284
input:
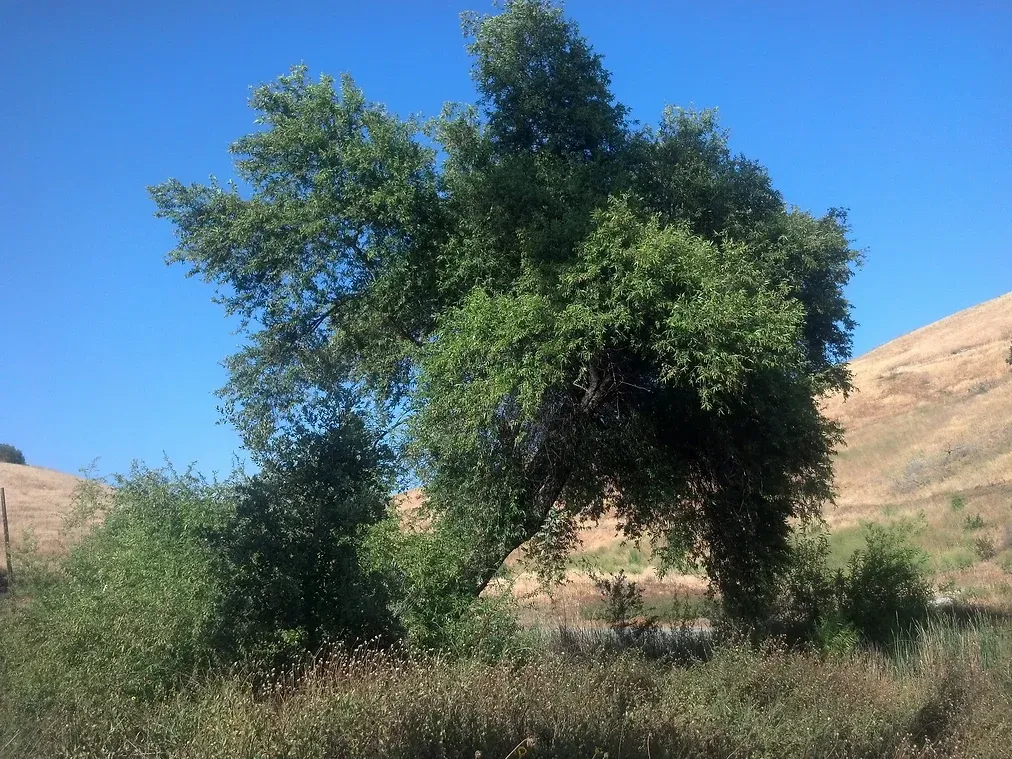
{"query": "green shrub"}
pixel 130 611
pixel 621 597
pixel 182 575
pixel 807 595
pixel 883 589
pixel 292 549
pixel 10 455
pixel 973 522
pixel 958 502
pixel 985 548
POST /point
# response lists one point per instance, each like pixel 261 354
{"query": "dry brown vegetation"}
pixel 931 422
pixel 37 501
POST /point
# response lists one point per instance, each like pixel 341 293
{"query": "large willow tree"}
pixel 554 311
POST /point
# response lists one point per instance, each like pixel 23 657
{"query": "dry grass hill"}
pixel 37 500
pixel 929 448
pixel 929 445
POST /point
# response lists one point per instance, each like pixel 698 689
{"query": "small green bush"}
pixel 622 598
pixel 292 549
pixel 884 589
pixel 985 548
pixel 958 503
pixel 973 522
pixel 11 455
pixel 807 595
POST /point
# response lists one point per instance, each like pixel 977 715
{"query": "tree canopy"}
pixel 9 454
pixel 549 309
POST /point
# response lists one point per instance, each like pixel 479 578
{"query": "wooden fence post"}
pixel 7 540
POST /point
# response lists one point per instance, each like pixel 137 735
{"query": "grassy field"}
pixel 945 693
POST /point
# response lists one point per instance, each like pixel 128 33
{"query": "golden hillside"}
pixel 929 445
pixel 37 500
pixel 932 416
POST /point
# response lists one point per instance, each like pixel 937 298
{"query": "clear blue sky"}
pixel 901 112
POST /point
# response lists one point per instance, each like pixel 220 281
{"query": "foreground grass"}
pixel 947 694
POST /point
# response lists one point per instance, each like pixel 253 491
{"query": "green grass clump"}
pixel 954 559
pixel 973 522
pixel 612 559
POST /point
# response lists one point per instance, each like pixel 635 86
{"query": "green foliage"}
pixel 807 605
pixel 130 612
pixel 985 547
pixel 958 503
pixel 973 522
pixel 181 576
pixel 541 305
pixel 292 551
pixel 835 636
pixel 11 455
pixel 622 598
pixel 884 590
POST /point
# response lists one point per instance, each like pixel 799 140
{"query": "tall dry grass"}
pixel 947 693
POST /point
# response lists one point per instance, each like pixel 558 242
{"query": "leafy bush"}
pixel 881 591
pixel 182 575
pixel 807 594
pixel 884 589
pixel 292 548
pixel 622 598
pixel 130 611
pixel 958 503
pixel 10 455
pixel 424 572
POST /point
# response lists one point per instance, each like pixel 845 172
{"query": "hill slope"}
pixel 932 415
pixel 37 500
pixel 929 444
